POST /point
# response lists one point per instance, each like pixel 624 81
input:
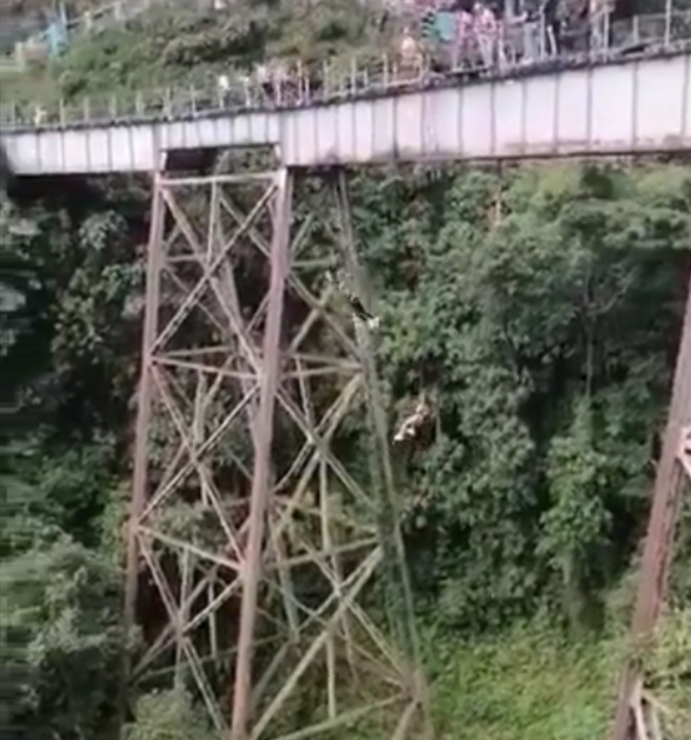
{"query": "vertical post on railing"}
pixel 386 71
pixel 636 31
pixel 300 81
pixel 668 21
pixel 193 100
pixel 327 79
pixel 113 108
pixel 139 104
pixel 86 109
pixel 605 28
pixel 308 89
pixel 542 40
pixel 167 103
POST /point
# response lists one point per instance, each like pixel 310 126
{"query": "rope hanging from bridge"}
pixel 400 599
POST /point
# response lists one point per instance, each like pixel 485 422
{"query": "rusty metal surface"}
pixel 227 527
pixel 672 472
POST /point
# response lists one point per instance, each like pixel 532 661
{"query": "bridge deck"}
pixel 636 105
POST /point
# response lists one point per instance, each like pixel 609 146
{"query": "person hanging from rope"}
pixel 413 425
pixel 337 279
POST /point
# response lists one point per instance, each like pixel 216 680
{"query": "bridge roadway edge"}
pixel 637 105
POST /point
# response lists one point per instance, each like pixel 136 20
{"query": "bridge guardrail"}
pixel 650 34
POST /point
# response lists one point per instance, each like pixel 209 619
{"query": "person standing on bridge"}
pixel 464 40
pixel 487 33
pixel 410 55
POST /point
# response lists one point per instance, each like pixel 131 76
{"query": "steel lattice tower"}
pixel 261 543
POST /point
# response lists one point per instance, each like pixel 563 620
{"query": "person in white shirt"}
pixel 486 32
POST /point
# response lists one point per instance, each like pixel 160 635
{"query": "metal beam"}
pixel 226 522
pixel 672 476
pixel 636 106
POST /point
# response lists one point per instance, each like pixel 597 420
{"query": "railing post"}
pixel 62 118
pixel 301 96
pixel 543 31
pixel 86 109
pixel 605 30
pixel 668 21
pixel 327 80
pixel 636 31
pixel 308 89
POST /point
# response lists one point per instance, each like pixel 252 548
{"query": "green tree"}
pixel 60 641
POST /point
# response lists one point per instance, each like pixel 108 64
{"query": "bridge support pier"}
pixel 257 547
pixel 673 477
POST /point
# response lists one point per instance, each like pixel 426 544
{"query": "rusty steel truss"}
pixel 254 547
pixel 637 717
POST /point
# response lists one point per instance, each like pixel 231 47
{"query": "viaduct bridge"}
pixel 237 367
pixel 634 105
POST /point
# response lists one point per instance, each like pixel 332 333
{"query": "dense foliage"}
pixel 522 317
pixel 539 310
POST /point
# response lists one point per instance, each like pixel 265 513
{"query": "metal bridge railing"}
pixel 520 47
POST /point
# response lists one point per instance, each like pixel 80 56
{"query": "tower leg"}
pixel 670 481
pixel 153 273
pixel 261 480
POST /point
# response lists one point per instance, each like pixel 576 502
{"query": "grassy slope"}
pixel 524 684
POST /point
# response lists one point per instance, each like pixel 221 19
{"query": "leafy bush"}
pixel 169 715
pixel 60 641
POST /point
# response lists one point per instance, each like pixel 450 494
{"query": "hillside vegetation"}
pixel 178 48
pixel 540 309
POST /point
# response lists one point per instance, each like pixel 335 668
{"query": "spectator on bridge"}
pixel 464 47
pixel 487 34
pixel 264 78
pixel 410 54
pixel 223 86
pixel 552 27
pixel 528 29
pixel 274 83
pixel 39 116
pixel 599 13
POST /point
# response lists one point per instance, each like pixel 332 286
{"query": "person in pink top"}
pixel 465 38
